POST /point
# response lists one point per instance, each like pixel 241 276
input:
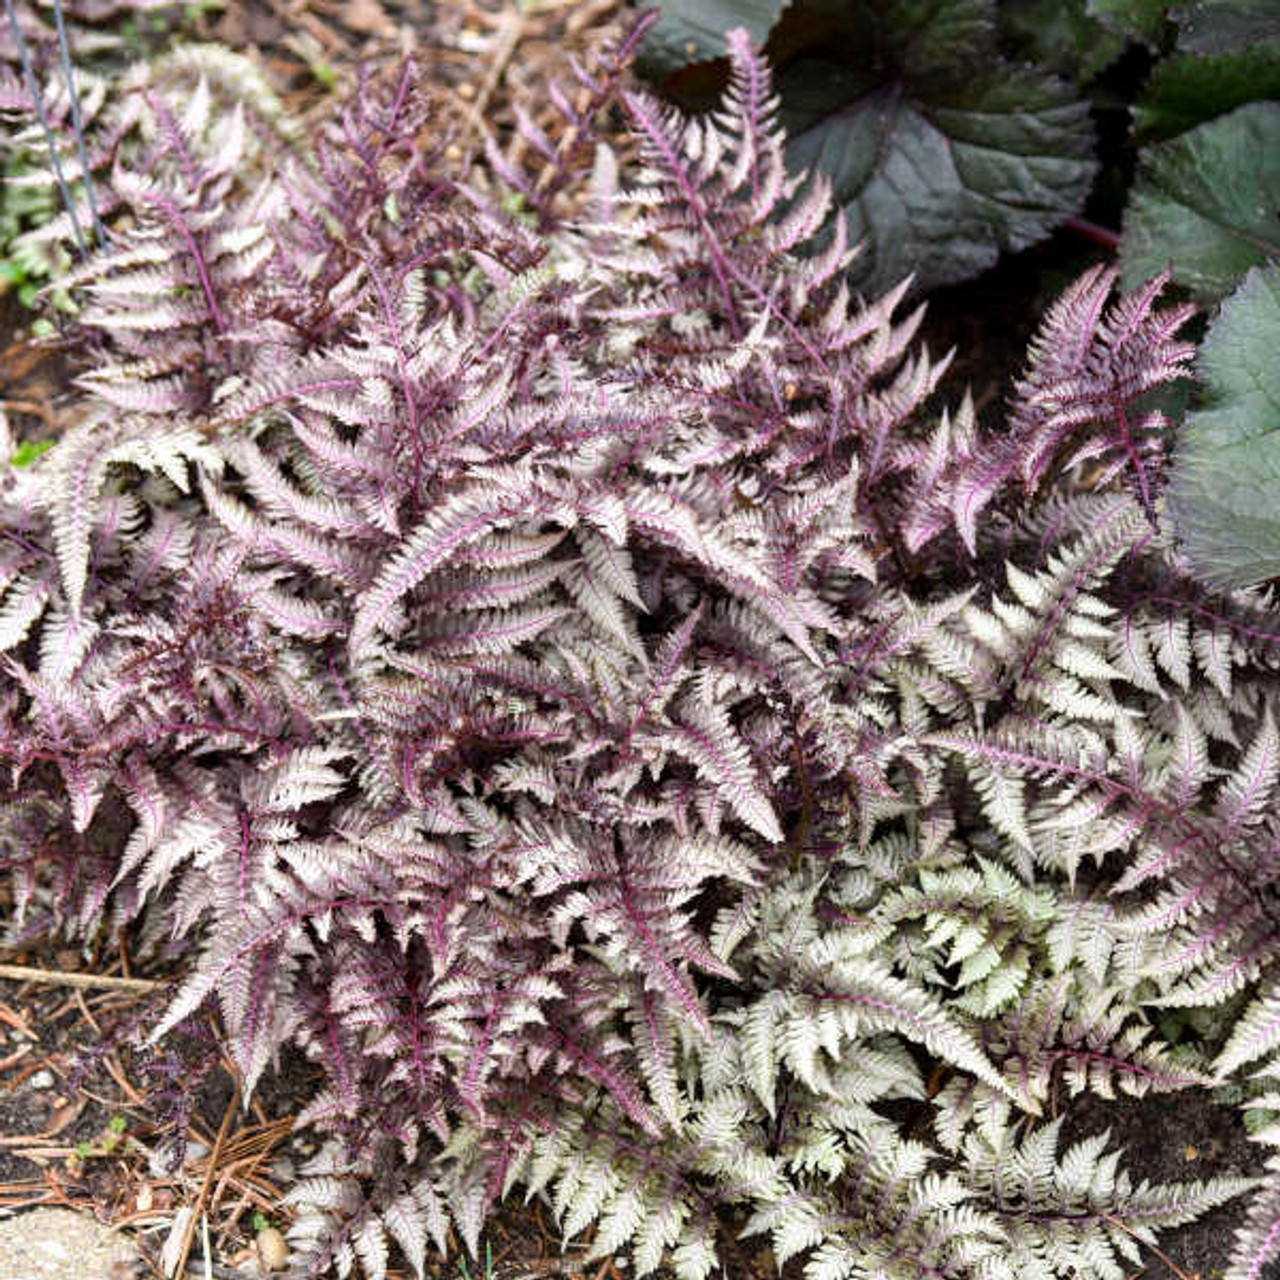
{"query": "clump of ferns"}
pixel 522 652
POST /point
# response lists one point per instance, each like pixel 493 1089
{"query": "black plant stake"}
pixel 77 123
pixel 33 89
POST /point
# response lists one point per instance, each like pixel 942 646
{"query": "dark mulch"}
pixel 1182 1137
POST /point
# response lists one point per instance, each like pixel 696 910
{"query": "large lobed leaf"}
pixel 1223 26
pixel 1226 476
pixel 942 153
pixel 694 30
pixel 1205 203
pixel 941 157
pixel 1187 89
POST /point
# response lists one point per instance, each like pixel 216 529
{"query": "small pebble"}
pixel 42 1080
pixel 273 1251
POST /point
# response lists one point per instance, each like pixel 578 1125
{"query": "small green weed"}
pixel 27 452
pixel 488 1264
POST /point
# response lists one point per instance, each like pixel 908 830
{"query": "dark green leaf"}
pixel 942 154
pixel 1225 492
pixel 1060 36
pixel 1187 89
pixel 1221 26
pixel 1141 20
pixel 912 37
pixel 1207 203
pixel 694 30
pixel 938 178
pixel 930 37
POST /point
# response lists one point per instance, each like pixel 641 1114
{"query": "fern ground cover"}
pixel 536 637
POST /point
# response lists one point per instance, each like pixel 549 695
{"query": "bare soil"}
pixel 1181 1137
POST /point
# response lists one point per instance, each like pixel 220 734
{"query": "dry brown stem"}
pixel 84 981
pixel 198 1208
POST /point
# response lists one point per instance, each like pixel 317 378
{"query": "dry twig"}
pixel 509 36
pixel 1164 1257
pixel 84 981
pixel 198 1208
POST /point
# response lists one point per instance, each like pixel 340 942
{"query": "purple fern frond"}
pixel 1082 399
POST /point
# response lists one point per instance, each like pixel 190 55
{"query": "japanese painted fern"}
pixel 540 667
